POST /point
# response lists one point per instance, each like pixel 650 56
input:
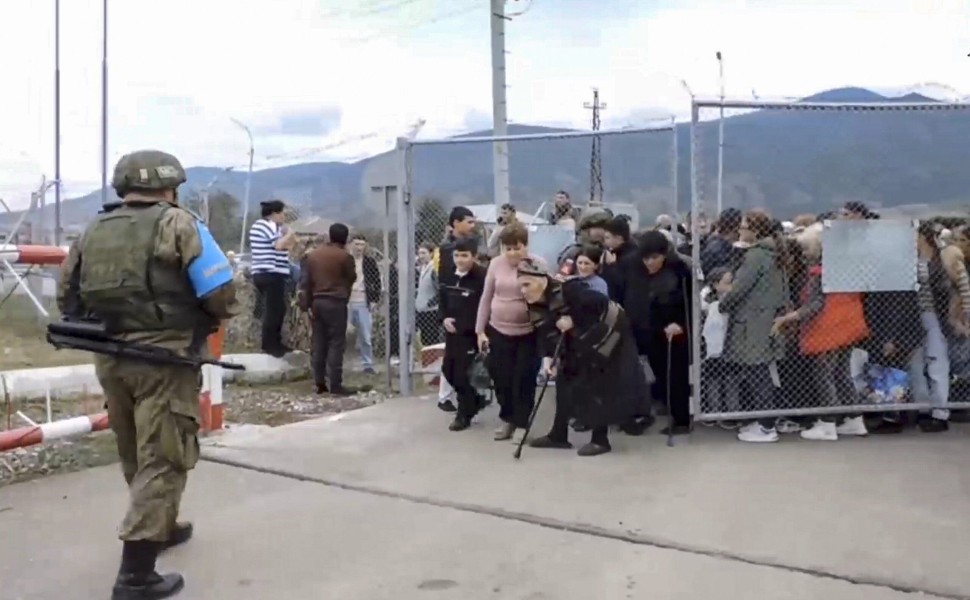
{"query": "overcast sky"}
pixel 306 74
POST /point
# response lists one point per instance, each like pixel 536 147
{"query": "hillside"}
pixel 787 161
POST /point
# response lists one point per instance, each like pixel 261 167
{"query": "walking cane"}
pixel 670 413
pixel 670 343
pixel 535 408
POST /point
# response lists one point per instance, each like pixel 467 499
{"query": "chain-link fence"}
pixel 638 175
pixel 831 268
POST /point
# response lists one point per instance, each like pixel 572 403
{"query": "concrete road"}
pixel 385 503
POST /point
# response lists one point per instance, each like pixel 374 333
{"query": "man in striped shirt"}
pixel 269 243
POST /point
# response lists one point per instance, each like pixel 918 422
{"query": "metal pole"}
pixel 104 105
pixel 695 203
pixel 405 265
pixel 675 167
pixel 249 181
pixel 499 103
pixel 720 137
pixel 57 122
pixel 389 193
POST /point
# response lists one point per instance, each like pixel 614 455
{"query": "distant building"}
pixel 312 226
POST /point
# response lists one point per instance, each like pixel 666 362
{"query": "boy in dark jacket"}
pixel 458 303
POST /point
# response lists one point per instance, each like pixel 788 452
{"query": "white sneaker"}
pixel 853 426
pixel 753 425
pixel 518 436
pixel 821 432
pixel 758 435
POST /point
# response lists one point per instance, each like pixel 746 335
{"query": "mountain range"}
pixel 788 161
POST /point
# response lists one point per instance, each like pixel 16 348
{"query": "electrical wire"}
pixel 304 152
pixel 420 23
pixel 374 10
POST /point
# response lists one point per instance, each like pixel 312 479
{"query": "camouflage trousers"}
pixel 154 412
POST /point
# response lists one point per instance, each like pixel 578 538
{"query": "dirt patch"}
pixel 62 456
pixel 293 401
pixel 273 405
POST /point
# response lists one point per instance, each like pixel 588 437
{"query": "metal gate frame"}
pixel 697 205
pixel 406 218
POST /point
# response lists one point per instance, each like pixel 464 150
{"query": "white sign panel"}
pixel 548 241
pixel 869 256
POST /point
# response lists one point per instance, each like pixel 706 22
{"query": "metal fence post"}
pixel 405 264
pixel 698 275
pixel 389 192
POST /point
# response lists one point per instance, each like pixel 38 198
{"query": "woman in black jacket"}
pixel 621 253
pixel 588 345
pixel 656 295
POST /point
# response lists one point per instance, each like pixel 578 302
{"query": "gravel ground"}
pixel 273 405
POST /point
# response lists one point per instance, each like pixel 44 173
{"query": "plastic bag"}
pixel 885 385
pixel 647 371
pixel 478 375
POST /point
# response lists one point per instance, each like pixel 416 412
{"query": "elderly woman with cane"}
pixel 587 343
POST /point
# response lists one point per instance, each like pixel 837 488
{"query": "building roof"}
pixel 312 225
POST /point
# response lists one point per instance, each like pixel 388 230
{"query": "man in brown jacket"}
pixel 328 275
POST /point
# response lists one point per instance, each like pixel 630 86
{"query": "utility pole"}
pixel 720 137
pixel 57 122
pixel 104 104
pixel 499 104
pixel 595 161
pixel 249 180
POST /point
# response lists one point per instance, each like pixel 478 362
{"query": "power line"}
pixel 416 24
pixel 595 160
pixel 373 10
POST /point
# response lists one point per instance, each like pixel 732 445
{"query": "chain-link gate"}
pixel 639 174
pixel 834 280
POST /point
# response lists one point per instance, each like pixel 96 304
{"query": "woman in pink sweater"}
pixel 504 330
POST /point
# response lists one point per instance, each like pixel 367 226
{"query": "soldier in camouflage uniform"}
pixel 130 270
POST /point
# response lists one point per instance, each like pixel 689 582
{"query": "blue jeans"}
pixel 360 318
pixel 929 369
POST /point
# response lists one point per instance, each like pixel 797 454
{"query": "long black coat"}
pixel 654 301
pixel 598 393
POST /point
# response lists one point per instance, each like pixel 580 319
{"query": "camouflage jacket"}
pixel 177 244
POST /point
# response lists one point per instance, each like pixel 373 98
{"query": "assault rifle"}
pixel 90 336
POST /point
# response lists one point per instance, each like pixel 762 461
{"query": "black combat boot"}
pixel 137 579
pixel 181 534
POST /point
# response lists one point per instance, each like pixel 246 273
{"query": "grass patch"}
pixel 23 341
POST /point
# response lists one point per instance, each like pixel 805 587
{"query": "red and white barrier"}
pixel 46 432
pixel 27 254
pixel 432 358
pixel 210 411
pixel 210 400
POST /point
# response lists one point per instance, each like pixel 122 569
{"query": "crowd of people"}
pixel 771 340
